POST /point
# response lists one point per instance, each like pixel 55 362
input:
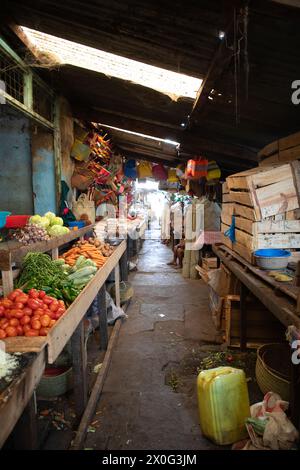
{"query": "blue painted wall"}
pixel 43 171
pixel 15 162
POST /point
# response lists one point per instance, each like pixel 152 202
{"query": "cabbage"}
pixel 49 215
pixel 57 230
pixel 35 219
pixel 57 221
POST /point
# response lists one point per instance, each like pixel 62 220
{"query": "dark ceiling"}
pixel 229 124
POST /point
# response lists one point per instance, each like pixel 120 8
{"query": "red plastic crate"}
pixel 16 221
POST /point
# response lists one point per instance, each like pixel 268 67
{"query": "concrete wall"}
pixel 43 171
pixel 15 162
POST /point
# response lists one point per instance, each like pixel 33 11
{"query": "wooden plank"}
pixel 245 224
pixel 267 240
pixel 243 317
pixel 24 344
pixel 242 197
pixel 102 312
pixel 245 239
pixel 277 198
pixel 124 267
pixel 11 252
pixel 245 211
pixel 61 332
pixel 226 198
pixel 281 307
pixel 15 398
pixel 226 219
pixel 228 208
pixel 273 226
pixel 289 154
pixel 269 149
pixel 274 159
pixel 270 176
pixel 289 141
pixel 54 253
pixel 25 433
pixel 225 189
pixel 295 166
pixel 97 390
pixel 243 251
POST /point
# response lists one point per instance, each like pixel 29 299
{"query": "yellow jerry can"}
pixel 223 402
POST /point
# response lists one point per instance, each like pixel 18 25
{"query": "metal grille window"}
pixel 13 77
pixel 42 100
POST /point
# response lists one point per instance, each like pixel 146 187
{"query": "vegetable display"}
pixel 32 314
pixel 40 272
pixel 90 251
pixel 81 273
pixel 31 233
pixel 51 223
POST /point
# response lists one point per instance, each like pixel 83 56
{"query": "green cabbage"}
pixel 49 215
pixel 57 221
pixel 35 219
pixel 57 230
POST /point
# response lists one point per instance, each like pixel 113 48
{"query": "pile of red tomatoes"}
pixel 31 314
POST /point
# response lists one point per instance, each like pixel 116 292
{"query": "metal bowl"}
pixel 272 259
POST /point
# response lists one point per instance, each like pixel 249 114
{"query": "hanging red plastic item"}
pixel 159 172
pixel 197 168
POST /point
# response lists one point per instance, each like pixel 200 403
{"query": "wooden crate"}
pixel 262 326
pixel 209 263
pixel 283 150
pixel 267 240
pixel 268 190
pixel 225 240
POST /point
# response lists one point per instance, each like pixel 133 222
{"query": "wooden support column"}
pixel 295 394
pixel 54 253
pixel 7 281
pixel 117 285
pixel 79 369
pixel 102 312
pixel 25 435
pixel 243 316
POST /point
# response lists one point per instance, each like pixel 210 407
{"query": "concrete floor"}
pixel 168 318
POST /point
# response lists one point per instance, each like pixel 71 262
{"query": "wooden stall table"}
pixel 281 300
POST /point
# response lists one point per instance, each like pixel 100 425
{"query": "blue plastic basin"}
pixel 272 253
pixel 3 216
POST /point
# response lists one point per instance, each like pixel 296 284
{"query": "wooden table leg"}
pixel 102 312
pixel 7 281
pixel 25 435
pixel 243 317
pixel 124 267
pixel 79 369
pixel 295 394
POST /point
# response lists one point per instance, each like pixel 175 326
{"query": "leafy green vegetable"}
pixel 57 221
pixel 57 230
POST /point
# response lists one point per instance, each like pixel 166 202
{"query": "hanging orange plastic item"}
pixel 197 168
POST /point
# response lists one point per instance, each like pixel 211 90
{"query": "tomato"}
pixel 18 314
pixel 52 322
pixel 60 311
pixel 45 307
pixel 45 320
pixel 27 311
pixel 33 304
pixel 33 294
pixel 4 323
pixel 26 328
pixel 18 305
pixel 2 334
pixel 1 310
pixel 54 306
pixel 8 313
pixel 7 303
pixel 15 294
pixel 42 294
pixel 22 298
pixel 61 303
pixel 47 300
pixel 39 311
pixel 11 331
pixel 44 331
pixel 31 332
pixel 35 317
pixel 25 320
pixel 36 324
pixel 20 330
pixel 14 322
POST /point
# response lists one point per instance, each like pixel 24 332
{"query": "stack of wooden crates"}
pixel 264 201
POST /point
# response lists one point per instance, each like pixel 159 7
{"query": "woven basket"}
pixel 272 371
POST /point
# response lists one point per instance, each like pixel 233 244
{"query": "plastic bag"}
pixel 113 312
pixel 172 176
pixel 197 168
pixel 130 169
pixel 159 172
pixel 144 170
pixel 80 151
pixel 84 206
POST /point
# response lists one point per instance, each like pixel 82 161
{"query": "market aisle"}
pixel 168 321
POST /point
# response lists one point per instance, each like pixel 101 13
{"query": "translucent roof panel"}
pixel 63 51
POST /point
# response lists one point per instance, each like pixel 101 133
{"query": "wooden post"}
pixel 297 283
pixel 117 285
pixel 102 312
pixel 25 436
pixel 294 395
pixel 79 369
pixel 55 253
pixel 243 317
pixel 124 267
pixel 7 281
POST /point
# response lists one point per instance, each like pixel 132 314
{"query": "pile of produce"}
pixel 31 314
pixel 93 249
pixel 40 272
pixel 31 233
pixel 51 223
pixel 81 273
pixel 8 363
